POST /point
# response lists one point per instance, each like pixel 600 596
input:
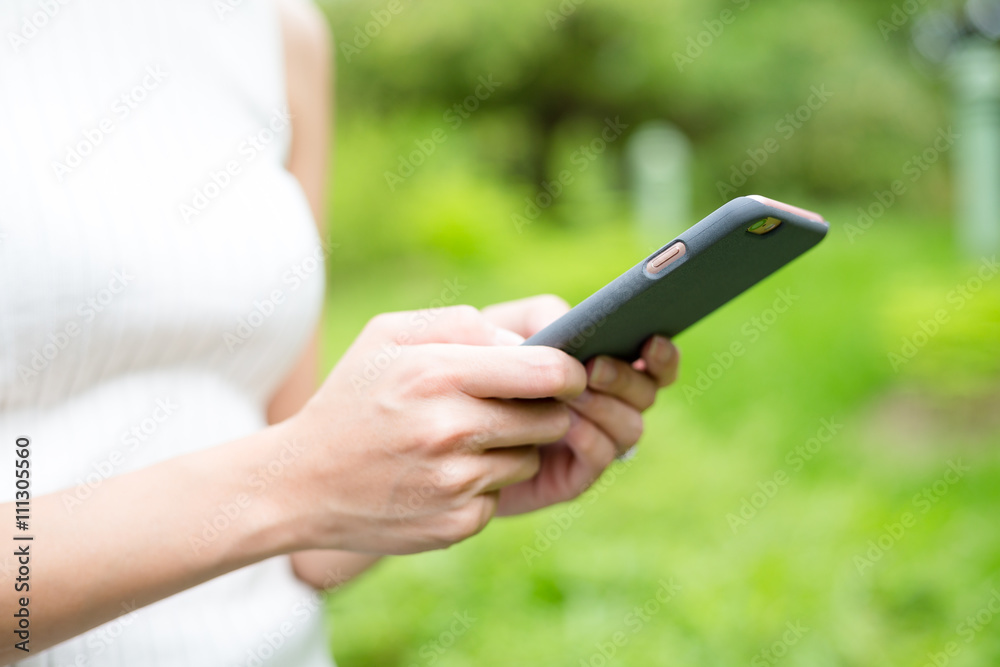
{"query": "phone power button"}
pixel 666 258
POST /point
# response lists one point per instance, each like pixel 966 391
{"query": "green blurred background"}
pixel 858 544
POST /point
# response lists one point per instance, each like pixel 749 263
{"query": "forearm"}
pixel 144 537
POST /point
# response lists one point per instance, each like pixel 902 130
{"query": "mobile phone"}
pixel 704 268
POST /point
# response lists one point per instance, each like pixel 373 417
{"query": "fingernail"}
pixel 507 337
pixel 661 349
pixel 604 373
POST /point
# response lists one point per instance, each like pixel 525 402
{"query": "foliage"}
pixel 474 212
pixel 562 77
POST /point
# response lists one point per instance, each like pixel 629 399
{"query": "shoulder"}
pixel 308 42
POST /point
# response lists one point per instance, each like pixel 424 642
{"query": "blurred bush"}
pixel 427 196
pixel 732 74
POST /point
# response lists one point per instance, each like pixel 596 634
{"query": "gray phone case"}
pixel 722 261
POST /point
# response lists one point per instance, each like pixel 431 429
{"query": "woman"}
pixel 163 163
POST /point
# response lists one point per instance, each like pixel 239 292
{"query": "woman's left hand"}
pixel 607 418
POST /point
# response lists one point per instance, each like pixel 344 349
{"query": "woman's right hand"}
pixel 424 419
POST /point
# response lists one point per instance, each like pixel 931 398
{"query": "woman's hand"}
pixel 606 419
pixel 408 442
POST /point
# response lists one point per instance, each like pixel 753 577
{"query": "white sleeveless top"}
pixel 160 273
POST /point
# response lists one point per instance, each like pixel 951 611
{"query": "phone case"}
pixel 722 261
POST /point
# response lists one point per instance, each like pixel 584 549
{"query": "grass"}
pixel 799 581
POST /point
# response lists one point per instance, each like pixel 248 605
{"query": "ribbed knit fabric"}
pixel 160 273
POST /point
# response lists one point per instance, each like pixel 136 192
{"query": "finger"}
pixel 471 518
pixel 462 325
pixel 527 317
pixel 593 452
pixel 620 379
pixel 620 421
pixel 487 504
pixel 661 360
pixel 504 467
pixel 507 423
pixel 515 372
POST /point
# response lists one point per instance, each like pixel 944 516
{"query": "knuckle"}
pixel 418 375
pixel 532 463
pixel 559 421
pixel 634 428
pixel 647 399
pixel 466 521
pixel 465 317
pixel 456 479
pixel 605 457
pixel 381 324
pixel 551 374
pixel 448 433
pixel 587 441
pixel 433 372
pixel 594 448
pixel 452 324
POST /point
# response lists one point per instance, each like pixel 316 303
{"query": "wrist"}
pixel 247 517
pixel 276 483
